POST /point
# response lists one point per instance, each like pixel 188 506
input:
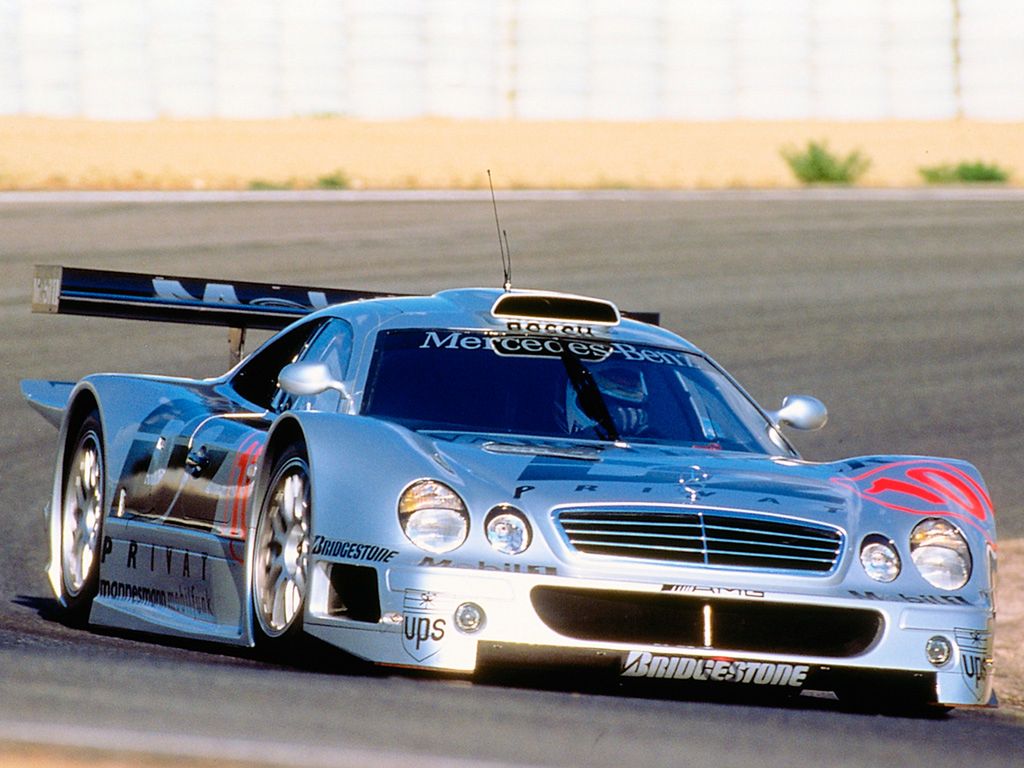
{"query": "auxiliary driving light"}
pixel 939 650
pixel 880 559
pixel 470 618
pixel 507 530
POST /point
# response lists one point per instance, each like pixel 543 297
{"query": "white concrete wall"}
pixel 526 59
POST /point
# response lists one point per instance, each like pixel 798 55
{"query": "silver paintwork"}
pixel 187 568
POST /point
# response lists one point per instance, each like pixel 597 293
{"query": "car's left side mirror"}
pixel 308 378
pixel 800 412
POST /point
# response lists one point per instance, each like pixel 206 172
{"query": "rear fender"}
pixel 122 402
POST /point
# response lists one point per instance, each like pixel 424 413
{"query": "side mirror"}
pixel 302 379
pixel 800 412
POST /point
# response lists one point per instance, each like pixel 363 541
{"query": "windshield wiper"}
pixel 588 395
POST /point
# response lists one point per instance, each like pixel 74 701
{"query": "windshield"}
pixel 446 380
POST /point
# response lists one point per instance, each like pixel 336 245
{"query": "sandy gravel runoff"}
pixel 38 153
pixel 1010 626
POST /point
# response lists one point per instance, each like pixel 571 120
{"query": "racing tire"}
pixel 281 552
pixel 81 519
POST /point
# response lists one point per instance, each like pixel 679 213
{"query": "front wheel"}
pixel 281 549
pixel 81 518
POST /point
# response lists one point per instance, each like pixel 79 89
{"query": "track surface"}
pixel 906 317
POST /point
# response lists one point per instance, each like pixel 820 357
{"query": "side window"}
pixel 256 380
pixel 333 347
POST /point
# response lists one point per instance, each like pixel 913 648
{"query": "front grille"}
pixel 704 537
pixel 643 618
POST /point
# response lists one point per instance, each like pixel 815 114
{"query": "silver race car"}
pixel 492 478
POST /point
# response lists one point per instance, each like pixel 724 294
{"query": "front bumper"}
pixel 725 636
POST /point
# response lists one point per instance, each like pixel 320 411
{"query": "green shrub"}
pixel 262 185
pixel 964 173
pixel 817 165
pixel 336 180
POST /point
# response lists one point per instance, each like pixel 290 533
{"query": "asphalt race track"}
pixel 905 316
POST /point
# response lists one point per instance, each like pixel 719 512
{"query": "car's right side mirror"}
pixel 800 412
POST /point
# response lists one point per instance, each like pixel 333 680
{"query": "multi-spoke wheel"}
pixel 81 517
pixel 281 549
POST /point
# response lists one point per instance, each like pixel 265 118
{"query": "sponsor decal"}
pixel 925 487
pixel 532 346
pixel 650 355
pixel 350 550
pixel 975 658
pixel 517 346
pixel 693 589
pixel 480 565
pixel 657 666
pixel 918 599
pixel 166 561
pixel 423 630
pixel 191 600
pixel 550 345
pixel 562 329
pixel 228 293
pixel 184 574
pixel 119 590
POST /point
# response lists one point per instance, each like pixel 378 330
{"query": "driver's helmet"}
pixel 624 391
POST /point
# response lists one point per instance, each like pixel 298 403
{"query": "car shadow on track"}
pixel 569 681
pixel 305 654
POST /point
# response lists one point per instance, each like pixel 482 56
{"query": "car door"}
pixel 219 462
pixel 192 460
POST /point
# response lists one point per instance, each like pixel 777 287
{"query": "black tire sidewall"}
pixel 79 604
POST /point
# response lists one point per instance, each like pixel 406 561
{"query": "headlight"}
pixel 940 553
pixel 507 530
pixel 433 516
pixel 880 559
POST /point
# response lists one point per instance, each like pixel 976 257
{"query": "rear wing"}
pixel 195 300
pixel 233 304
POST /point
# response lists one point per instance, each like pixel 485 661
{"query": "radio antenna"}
pixel 506 254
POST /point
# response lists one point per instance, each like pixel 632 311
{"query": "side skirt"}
pixel 173 581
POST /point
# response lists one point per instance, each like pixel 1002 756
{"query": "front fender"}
pixel 359 468
pixel 897 492
pixel 922 486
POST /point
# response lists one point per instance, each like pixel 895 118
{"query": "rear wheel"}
pixel 81 518
pixel 281 549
